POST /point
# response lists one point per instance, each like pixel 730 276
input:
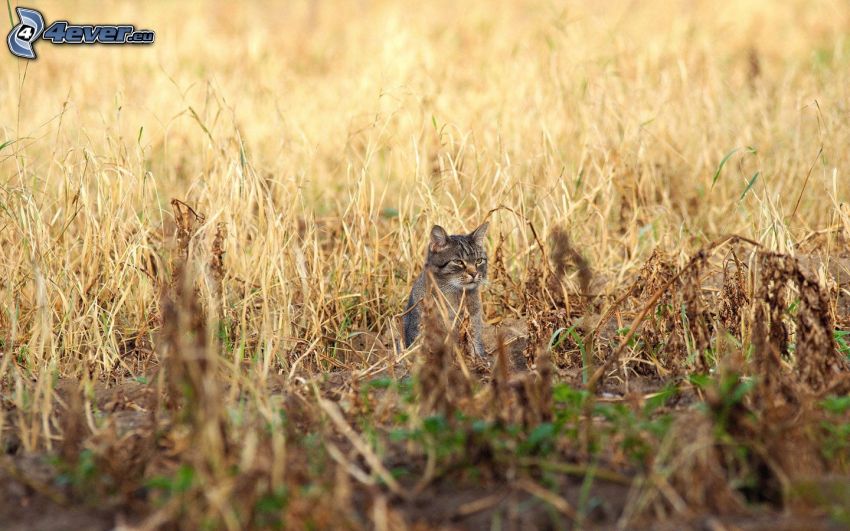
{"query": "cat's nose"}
pixel 471 270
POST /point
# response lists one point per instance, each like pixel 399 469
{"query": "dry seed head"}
pixel 187 221
pixel 734 296
pixel 818 362
pixel 216 264
pixel 563 253
pixel 699 319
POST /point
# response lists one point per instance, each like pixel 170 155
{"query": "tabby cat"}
pixel 458 265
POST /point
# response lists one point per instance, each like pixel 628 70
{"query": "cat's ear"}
pixel 480 233
pixel 439 238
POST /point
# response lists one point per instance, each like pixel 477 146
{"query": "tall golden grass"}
pixel 379 118
pixel 320 140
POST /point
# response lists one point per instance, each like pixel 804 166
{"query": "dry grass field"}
pixel 206 245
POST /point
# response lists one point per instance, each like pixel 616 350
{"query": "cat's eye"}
pixel 480 261
pixel 458 263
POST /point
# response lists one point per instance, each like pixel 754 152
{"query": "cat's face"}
pixel 458 261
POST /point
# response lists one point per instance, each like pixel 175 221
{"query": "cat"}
pixel 458 265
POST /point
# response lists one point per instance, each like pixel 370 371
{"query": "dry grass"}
pixel 205 247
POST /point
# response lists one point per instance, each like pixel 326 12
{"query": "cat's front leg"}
pixel 480 350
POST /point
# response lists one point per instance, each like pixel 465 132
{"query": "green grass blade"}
pixel 749 185
pixel 559 335
pixel 723 162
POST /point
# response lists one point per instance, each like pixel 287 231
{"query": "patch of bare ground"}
pixel 28 501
